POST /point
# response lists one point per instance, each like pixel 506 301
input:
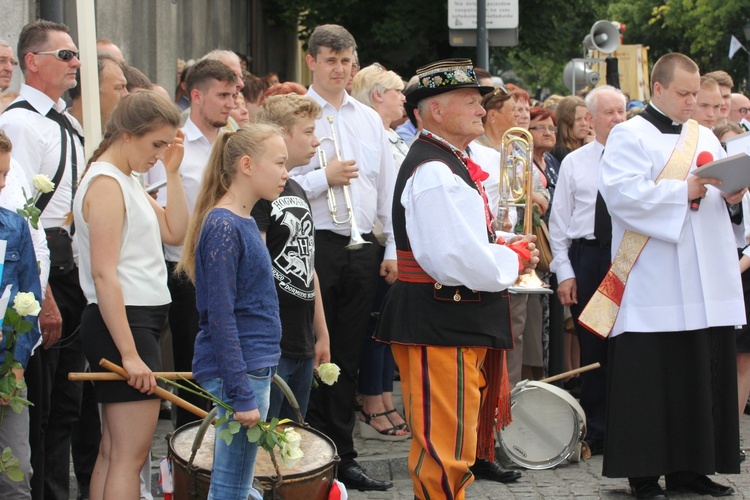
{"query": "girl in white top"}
pixel 122 272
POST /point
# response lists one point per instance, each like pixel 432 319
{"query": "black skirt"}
pixel 145 323
pixel 672 404
pixel 743 335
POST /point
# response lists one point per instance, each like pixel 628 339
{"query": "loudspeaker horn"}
pixel 576 76
pixel 604 37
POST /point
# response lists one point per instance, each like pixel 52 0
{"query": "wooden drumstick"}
pixel 164 394
pixel 570 373
pixel 109 377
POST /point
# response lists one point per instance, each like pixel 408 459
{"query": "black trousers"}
pixel 348 283
pixel 591 263
pixel 57 401
pixel 183 323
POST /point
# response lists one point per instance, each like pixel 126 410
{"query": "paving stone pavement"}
pixel 387 460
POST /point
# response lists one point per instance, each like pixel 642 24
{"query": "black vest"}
pixel 427 314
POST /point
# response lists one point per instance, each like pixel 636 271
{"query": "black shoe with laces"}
pixel 484 469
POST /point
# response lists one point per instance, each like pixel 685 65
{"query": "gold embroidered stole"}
pixel 601 312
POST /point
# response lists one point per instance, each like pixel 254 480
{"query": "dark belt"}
pixel 592 243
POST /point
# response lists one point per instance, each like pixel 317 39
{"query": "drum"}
pixel 311 478
pixel 548 426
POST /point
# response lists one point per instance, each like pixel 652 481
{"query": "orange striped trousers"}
pixel 441 390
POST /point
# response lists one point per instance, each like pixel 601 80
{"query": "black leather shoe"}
pixel 701 485
pixel 355 478
pixel 648 489
pixel 484 469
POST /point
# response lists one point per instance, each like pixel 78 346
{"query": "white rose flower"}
pixel 25 304
pixel 293 438
pixel 328 373
pixel 290 456
pixel 43 184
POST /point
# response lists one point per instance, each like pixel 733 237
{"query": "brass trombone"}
pixel 355 240
pixel 516 187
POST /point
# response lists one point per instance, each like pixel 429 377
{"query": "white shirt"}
pixel 12 198
pixel 36 147
pixel 361 137
pixel 194 162
pixel 574 209
pixel 447 232
pixel 687 276
pixel 141 270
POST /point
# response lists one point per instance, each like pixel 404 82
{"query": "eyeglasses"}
pixel 542 129
pixel 743 111
pixel 8 60
pixel 62 54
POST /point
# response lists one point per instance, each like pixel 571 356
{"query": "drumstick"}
pixel 108 376
pixel 570 373
pixel 164 394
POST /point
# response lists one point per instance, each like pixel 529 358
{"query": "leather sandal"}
pixel 402 426
pixel 367 431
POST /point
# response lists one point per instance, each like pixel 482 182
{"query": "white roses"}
pixel 328 373
pixel 290 451
pixel 25 304
pixel 42 183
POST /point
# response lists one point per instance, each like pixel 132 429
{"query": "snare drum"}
pixel 548 426
pixel 311 478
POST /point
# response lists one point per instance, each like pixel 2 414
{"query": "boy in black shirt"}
pixel 287 226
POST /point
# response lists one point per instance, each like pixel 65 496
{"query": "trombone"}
pixel 516 187
pixel 355 240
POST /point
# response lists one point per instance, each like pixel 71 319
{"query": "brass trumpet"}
pixel 516 185
pixel 355 240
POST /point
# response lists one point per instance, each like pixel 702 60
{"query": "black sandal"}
pixel 402 427
pixel 367 431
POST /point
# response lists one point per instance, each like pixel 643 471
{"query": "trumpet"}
pixel 516 185
pixel 355 240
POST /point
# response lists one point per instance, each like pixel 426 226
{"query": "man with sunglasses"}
pixel 46 141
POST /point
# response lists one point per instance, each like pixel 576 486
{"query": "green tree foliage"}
pixel 699 28
pixel 405 34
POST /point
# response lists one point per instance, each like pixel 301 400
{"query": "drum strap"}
pixel 601 312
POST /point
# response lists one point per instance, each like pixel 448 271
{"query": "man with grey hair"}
pixel 449 307
pixel 580 243
pixel 7 64
pixel 112 88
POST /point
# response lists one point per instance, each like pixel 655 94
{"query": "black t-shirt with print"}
pixel 290 238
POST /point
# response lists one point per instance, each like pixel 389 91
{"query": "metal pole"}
pixel 483 49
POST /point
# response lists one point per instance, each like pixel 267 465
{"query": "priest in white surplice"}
pixel 672 391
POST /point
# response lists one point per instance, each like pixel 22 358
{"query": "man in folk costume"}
pixel 449 304
pixel 670 300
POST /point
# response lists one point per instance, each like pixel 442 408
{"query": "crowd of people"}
pixel 367 221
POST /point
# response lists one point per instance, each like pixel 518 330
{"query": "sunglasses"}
pixel 62 54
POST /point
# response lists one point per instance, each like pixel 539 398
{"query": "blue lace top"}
pixel 237 305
